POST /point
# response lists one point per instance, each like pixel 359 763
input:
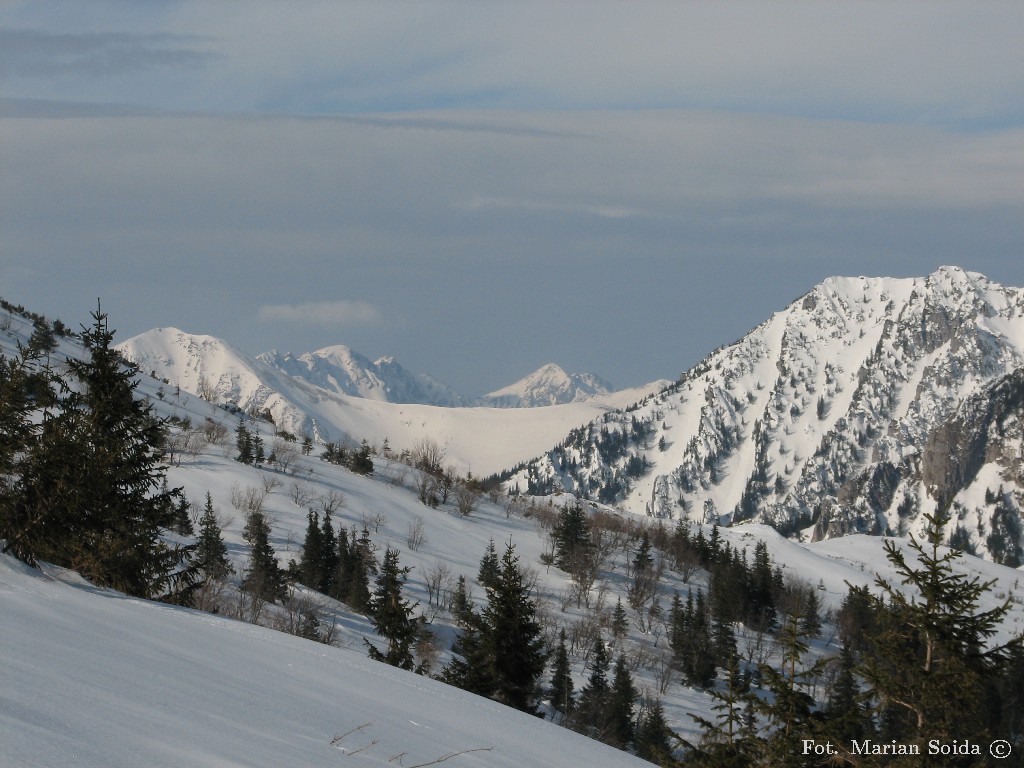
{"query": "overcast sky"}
pixel 479 188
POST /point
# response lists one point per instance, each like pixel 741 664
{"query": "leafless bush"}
pixel 211 596
pixel 394 473
pixel 331 502
pixel 284 453
pixel 270 482
pixel 416 536
pixel 427 489
pixel 205 390
pixel 436 577
pixel 300 493
pixel 428 455
pixel 214 432
pixel 250 500
pixel 373 521
pixel 467 499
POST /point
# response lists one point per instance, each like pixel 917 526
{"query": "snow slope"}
pixel 97 680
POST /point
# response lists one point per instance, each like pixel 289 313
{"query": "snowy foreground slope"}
pixel 91 678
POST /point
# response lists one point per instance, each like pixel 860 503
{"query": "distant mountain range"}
pixel 336 394
pixel 860 407
pixel 193 360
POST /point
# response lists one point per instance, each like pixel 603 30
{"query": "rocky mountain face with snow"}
pixel 341 370
pixel 863 405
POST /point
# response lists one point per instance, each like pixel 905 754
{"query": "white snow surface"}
pixel 91 678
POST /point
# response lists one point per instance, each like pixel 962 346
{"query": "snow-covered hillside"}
pixel 93 678
pixel 833 412
pixel 96 680
pixel 306 395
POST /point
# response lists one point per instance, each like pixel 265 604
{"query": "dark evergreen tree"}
pixel 263 577
pixel 392 615
pixel 27 522
pixel 653 736
pixel 571 536
pixel 620 622
pixel 211 556
pixel 243 441
pixel 932 661
pixel 181 522
pixel 362 565
pixel 311 563
pixel 618 716
pixel 462 607
pixel 845 714
pixel 471 667
pixel 560 692
pixel 361 462
pixel 594 696
pixel 724 741
pixel 789 708
pixel 118 475
pixel 515 635
pixel 328 554
pixel 490 567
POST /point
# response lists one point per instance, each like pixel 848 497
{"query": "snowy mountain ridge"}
pixel 548 385
pixel 834 413
pixel 338 395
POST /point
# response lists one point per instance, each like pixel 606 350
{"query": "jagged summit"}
pixel 819 417
pixel 548 385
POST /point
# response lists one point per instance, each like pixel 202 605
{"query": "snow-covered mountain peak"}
pixel 822 415
pixel 548 385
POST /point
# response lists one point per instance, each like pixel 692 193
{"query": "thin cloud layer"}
pixel 619 187
pixel 326 313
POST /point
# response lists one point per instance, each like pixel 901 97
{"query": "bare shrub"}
pixel 416 536
pixel 467 499
pixel 331 502
pixel 214 432
pixel 205 390
pixel 300 493
pixel 435 579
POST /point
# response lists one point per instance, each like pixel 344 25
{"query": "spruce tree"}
pixel 263 577
pixel 312 560
pixel 620 622
pixel 724 742
pixel 489 567
pixel 471 667
pixel 516 641
pixel 560 692
pixel 571 536
pixel 594 696
pixel 392 615
pixel 328 554
pixel 931 661
pixel 653 736
pixel 27 524
pixel 211 555
pixel 243 441
pixel 119 472
pixel 618 716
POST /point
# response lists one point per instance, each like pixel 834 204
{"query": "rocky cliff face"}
pixel 858 408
